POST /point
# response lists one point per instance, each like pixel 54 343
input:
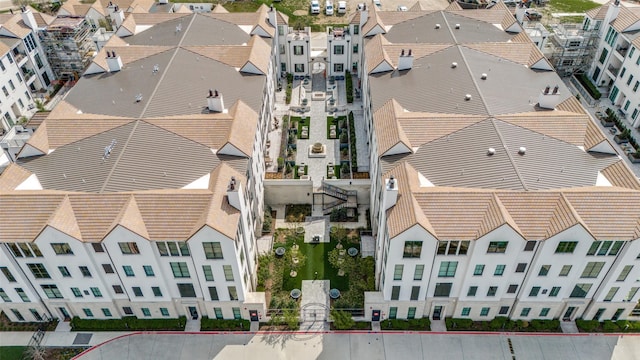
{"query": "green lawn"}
pixel 11 352
pixel 572 6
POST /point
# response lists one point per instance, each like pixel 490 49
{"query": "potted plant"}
pixel 634 157
pixel 623 137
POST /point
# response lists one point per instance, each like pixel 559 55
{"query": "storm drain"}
pixel 82 339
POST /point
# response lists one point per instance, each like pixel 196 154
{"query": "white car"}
pixel 328 7
pixel 342 7
pixel 402 8
pixel 360 6
pixel 315 7
pixel 377 3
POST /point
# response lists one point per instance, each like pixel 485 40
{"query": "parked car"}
pixel 533 15
pixel 377 3
pixel 315 7
pixel 342 7
pixel 402 8
pixel 328 7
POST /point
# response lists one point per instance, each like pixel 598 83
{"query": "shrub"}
pixel 587 325
pixel 349 86
pixel 408 324
pixel 342 320
pixel 589 86
pixel 224 325
pixel 128 323
pixel 459 324
pixel 289 88
pixel 610 326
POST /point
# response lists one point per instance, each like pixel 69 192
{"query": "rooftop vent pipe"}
pixel 522 150
pixel 491 151
pixel 437 26
pixel 483 76
pixel 454 65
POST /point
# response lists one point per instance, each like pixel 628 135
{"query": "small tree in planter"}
pixel 634 157
pixel 623 137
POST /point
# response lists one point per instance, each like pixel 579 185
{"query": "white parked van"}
pixel 328 7
pixel 315 7
pixel 342 7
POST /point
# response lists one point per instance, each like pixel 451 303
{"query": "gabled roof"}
pixel 620 175
pixel 598 13
pixel 385 123
pixel 64 220
pixel 13 176
pixel 131 218
pixel 375 53
pixel 627 17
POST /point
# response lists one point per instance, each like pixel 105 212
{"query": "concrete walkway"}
pixel 314 307
pixel 569 327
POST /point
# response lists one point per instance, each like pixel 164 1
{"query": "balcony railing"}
pixel 613 70
pixel 622 51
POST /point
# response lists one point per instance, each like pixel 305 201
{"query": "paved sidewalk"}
pixel 54 338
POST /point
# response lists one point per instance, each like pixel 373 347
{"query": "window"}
pixel 465 311
pixel 614 93
pixel 580 291
pixel 393 312
pixel 492 291
pixel 415 292
pixel 39 271
pixel 554 291
pixel 544 312
pixel 4 296
pixel 127 310
pixel 356 29
pixel 484 311
pixel 418 272
pixel 617 314
pixel 62 249
pixel 218 312
pixel 156 291
pixel 624 70
pixel 96 292
pixel 499 270
pixel 108 269
pixel 5 91
pixel 472 291
pixel 180 269
pixel 148 270
pixel 35 314
pixel 87 312
pixel 602 248
pixel 412 249
pixel 544 270
pixel 566 269
pixel 129 248
pixel 529 246
pixel 10 58
pixel 137 291
pixel 17 314
pixel 52 291
pixel 442 289
pixel 13 87
pixel 612 292
pixel 298 50
pixel 592 270
pixel 395 292
pixel 212 250
pixel 233 293
pixel 503 310
pixel 338 67
pixel 599 314
pixel 629 80
pixel 236 313
pixel 45 77
pixel 448 269
pixel 208 273
pixel 566 247
pixel 186 290
pixel 512 289
pixel 338 49
pixel 8 274
pixel 15 250
pixel 397 272
pixel 624 273
pixel 118 289
pixel 298 67
pixel 633 49
pixel 635 86
pixel 355 48
pixel 228 272
pixel 85 271
pixel 497 247
pixel 23 295
pixel 632 293
pixel 534 291
pixel 146 312
pixel 76 292
pixel 453 247
pixel 24 249
pixel 521 267
pixel 411 313
pixel 478 270
pixel 128 270
pixel 97 247
pixel 164 311
pixel 2 66
pixel 525 311
pixel 213 292
pixel 106 312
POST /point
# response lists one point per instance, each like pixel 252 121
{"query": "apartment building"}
pixel 487 199
pixel 25 72
pixel 141 193
pixel 69 46
pixel 616 66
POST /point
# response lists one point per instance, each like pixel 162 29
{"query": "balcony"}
pixel 613 70
pixel 622 50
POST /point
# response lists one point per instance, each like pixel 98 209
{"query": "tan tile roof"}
pixel 355 18
pixel 4 49
pixel 155 18
pixel 598 13
pixel 131 219
pixel 127 54
pixel 452 6
pixel 386 125
pixel 608 215
pixel 372 21
pixel 417 50
pixel 220 215
pixel 63 219
pixel 593 136
pixel 56 133
pixel 96 213
pixel 571 105
pixel 25 214
pixel 16 26
pixel 422 128
pixel 40 139
pixel 232 55
pixel 626 17
pixel 243 127
pixel 406 212
pixel 522 37
pixel 219 9
pixel 13 176
pixel 522 53
pixel 260 52
pixel 567 127
pixel 620 175
pixel 262 20
pixel 375 52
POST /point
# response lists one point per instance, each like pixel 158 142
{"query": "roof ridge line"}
pixel 113 168
pixel 504 145
pixel 177 48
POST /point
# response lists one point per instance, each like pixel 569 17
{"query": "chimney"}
pixel 273 17
pixel 118 16
pixel 215 102
pixel 612 14
pixel 390 193
pixel 114 62
pixel 29 19
pixel 520 13
pixel 364 16
pixel 405 62
pixel 549 99
pixel 234 193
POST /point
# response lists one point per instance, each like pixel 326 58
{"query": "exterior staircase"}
pixel 344 198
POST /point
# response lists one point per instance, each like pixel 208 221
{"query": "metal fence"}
pixel 586 97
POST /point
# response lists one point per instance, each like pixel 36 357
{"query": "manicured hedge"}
pixel 502 323
pixel 607 326
pixel 207 324
pixel 128 323
pixel 589 86
pixel 349 86
pixel 409 324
